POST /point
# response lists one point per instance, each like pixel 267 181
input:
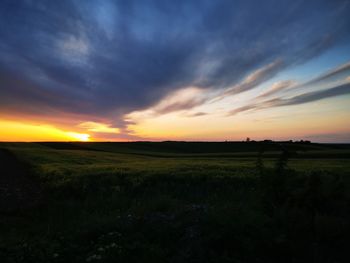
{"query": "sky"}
pixel 89 70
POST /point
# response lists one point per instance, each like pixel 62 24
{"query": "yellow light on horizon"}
pixel 83 137
pixel 19 131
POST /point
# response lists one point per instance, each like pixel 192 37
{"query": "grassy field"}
pixel 174 202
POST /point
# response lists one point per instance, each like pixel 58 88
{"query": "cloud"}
pixel 314 96
pixel 325 77
pixel 296 100
pixel 277 87
pixel 107 59
pixel 340 70
pixel 242 109
pixel 197 114
pixel 254 79
pixel 259 102
pixel 98 127
pixel 179 100
pixel 74 49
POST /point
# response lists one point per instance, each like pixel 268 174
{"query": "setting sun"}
pixel 79 136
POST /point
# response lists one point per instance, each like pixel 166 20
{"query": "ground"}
pixel 174 202
pixel 19 190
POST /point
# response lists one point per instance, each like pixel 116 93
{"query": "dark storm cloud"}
pixel 107 58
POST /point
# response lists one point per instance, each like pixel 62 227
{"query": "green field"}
pixel 174 202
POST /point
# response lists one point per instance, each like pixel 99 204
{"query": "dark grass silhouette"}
pixel 105 206
pixel 18 189
pixel 309 203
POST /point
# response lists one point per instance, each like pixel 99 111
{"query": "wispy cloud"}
pixel 180 100
pixel 313 96
pixel 277 87
pixel 260 101
pixel 98 127
pixel 342 69
pixel 299 99
pixel 197 114
pixel 254 79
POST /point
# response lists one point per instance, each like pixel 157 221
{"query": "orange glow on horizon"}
pixel 18 131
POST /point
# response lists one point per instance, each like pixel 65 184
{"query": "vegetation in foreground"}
pixel 174 202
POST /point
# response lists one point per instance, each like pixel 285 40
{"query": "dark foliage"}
pixel 194 213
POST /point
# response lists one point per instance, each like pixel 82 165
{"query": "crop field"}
pixel 174 202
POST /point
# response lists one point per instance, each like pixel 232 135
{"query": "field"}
pixel 174 202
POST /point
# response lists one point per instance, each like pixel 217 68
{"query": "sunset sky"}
pixel 174 70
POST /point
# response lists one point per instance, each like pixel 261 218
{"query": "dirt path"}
pixel 18 190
